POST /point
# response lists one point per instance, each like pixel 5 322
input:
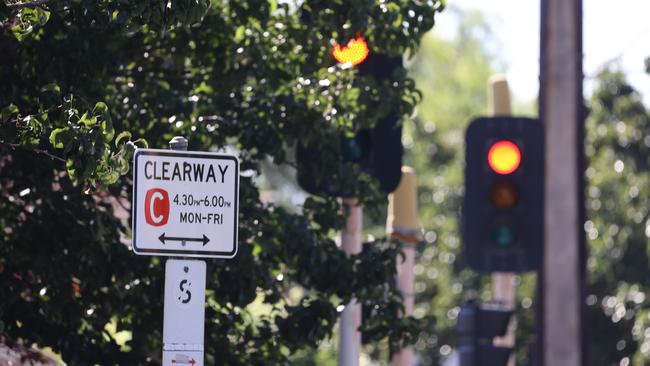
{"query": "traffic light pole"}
pixel 562 112
pixel 504 288
pixel 350 320
pixel 403 223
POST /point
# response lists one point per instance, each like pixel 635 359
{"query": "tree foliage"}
pixel 453 75
pixel 618 223
pixel 87 82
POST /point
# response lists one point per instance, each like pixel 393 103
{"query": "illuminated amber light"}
pixel 504 157
pixel 355 52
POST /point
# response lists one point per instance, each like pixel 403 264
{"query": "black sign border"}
pixel 175 252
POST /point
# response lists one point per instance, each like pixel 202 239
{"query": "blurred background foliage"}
pixel 618 222
pixel 452 75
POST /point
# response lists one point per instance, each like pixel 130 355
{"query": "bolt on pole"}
pixel 178 143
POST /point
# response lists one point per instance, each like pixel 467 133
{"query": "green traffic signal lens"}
pixel 350 149
pixel 504 194
pixel 503 235
pixel 355 149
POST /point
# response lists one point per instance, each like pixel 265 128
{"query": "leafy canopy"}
pixel 87 82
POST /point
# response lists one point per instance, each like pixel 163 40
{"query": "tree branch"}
pixel 38 151
pixel 28 4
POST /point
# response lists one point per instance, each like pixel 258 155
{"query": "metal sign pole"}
pixel 184 289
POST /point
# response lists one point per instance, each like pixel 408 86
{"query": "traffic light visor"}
pixel 355 52
pixel 504 157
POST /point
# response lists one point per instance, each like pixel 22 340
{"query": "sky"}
pixel 613 33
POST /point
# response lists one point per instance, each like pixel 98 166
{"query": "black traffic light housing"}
pixel 477 326
pixel 378 150
pixel 503 209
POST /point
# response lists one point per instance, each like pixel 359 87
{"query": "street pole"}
pixel 403 223
pixel 350 321
pixel 191 273
pixel 562 112
pixel 504 289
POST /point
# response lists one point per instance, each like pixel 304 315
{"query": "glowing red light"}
pixel 504 157
pixel 355 52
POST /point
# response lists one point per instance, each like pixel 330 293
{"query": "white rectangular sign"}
pixel 185 203
pixel 184 313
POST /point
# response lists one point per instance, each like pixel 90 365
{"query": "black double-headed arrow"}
pixel 164 238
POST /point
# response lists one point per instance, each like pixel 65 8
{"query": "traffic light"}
pixel 355 52
pixel 503 210
pixel 477 326
pixel 378 150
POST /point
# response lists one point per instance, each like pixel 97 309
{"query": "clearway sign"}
pixel 185 203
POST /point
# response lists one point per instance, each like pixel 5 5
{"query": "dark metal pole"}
pixel 562 111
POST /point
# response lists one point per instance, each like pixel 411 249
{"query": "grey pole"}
pixel 350 320
pixel 403 223
pixel 179 143
pixel 562 111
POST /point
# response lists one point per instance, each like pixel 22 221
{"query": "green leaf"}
pixel 121 136
pixel 51 88
pixel 87 121
pixel 30 131
pixel 100 108
pixel 239 33
pixel 107 129
pixel 60 137
pixel 142 142
pixel 164 84
pixel 27 20
pixel 273 4
pixel 8 111
pixel 203 88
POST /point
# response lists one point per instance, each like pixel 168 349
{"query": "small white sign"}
pixel 185 203
pixel 184 313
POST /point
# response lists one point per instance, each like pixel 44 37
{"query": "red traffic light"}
pixel 504 157
pixel 503 207
pixel 355 52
